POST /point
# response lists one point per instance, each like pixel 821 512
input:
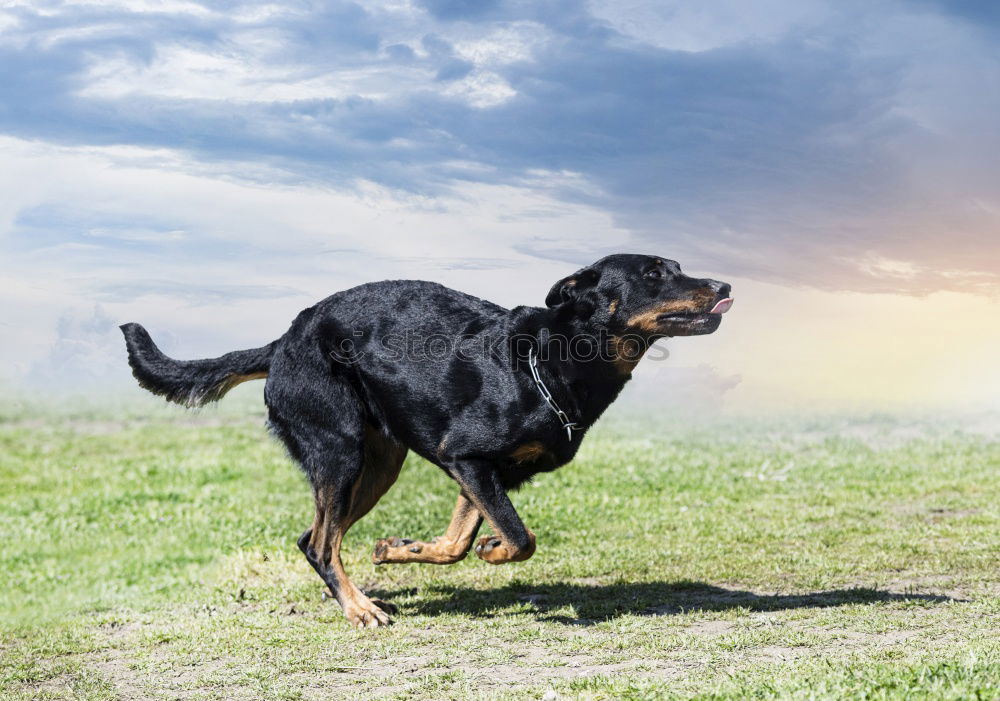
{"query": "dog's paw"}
pixel 369 613
pixel 389 550
pixel 496 551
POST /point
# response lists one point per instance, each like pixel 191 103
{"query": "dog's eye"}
pixel 654 274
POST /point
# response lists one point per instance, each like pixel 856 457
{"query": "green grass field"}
pixel 148 552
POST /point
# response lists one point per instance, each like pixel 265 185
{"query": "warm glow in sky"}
pixel 814 349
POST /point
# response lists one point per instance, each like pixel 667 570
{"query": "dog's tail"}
pixel 191 382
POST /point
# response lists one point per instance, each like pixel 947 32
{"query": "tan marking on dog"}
pixel 235 379
pixel 360 611
pixel 503 552
pixel 647 320
pixel 383 459
pixel 451 547
pixel 613 307
pixel 626 353
pixel 528 452
pixel 325 540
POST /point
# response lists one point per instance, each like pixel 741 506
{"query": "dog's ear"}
pixel 571 288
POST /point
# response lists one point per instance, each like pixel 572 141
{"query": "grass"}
pixel 150 553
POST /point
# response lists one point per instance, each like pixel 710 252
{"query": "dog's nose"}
pixel 721 288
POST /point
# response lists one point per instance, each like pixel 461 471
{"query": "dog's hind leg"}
pixel 321 546
pixel 383 459
pixel 342 496
pixel 321 420
pixel 451 547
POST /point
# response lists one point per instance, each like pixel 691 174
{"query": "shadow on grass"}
pixel 595 603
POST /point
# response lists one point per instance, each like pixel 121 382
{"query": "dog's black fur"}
pixel 372 372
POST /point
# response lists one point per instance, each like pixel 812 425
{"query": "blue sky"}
pixel 243 158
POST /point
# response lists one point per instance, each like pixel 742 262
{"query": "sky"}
pixel 211 168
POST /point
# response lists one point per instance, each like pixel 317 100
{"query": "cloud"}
pixel 226 263
pixel 979 12
pixel 87 354
pixel 197 294
pixel 793 148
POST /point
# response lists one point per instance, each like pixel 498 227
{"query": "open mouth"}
pixel 720 308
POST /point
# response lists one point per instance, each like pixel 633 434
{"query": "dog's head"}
pixel 644 295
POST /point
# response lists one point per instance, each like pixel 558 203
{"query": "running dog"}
pixel 490 395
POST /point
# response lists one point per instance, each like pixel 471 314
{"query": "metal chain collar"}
pixel 570 426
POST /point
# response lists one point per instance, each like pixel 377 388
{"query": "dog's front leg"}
pixel 453 546
pixel 512 541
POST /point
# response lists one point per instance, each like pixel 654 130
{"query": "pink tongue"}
pixel 722 306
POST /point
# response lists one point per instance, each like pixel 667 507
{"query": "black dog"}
pixel 492 396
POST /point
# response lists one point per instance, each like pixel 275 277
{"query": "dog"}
pixel 492 396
